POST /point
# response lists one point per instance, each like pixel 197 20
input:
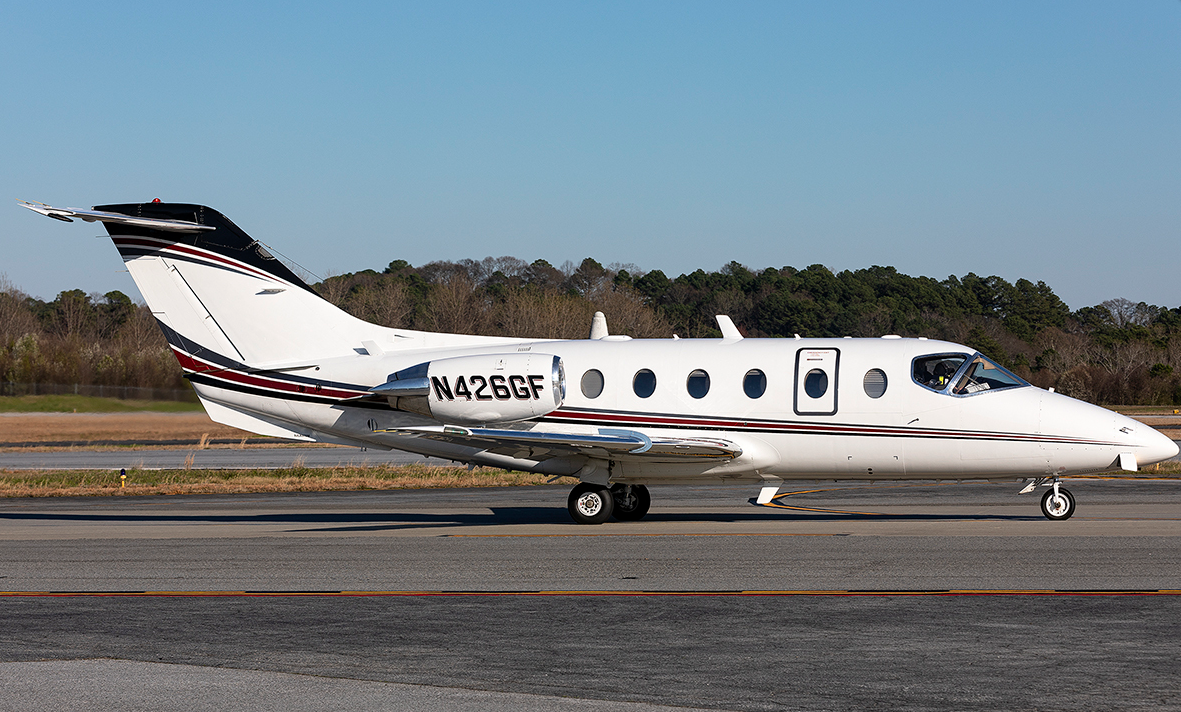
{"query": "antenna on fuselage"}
pixel 729 331
pixel 598 326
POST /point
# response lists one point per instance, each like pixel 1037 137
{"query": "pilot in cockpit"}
pixel 935 372
pixel 941 376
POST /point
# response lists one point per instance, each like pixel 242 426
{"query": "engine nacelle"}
pixel 473 390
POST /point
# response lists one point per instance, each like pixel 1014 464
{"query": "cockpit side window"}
pixel 984 375
pixel 936 371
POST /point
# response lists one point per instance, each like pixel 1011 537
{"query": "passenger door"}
pixel 816 381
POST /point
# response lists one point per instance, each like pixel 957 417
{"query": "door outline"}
pixel 834 377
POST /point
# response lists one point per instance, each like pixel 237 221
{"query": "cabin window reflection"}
pixel 816 383
pixel 874 383
pixel 644 384
pixel 698 383
pixel 984 375
pixel 754 385
pixel 935 372
pixel 592 383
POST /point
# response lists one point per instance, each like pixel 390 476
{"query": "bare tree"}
pixel 333 289
pixel 1061 351
pixel 543 315
pixel 15 318
pixel 453 306
pixel 627 314
pixel 383 303
pixel 1125 312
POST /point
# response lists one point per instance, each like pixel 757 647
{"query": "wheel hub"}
pixel 590 504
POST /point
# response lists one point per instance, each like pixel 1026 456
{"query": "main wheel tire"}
pixel 590 503
pixel 1058 508
pixel 631 502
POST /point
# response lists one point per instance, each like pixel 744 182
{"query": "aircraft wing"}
pixel 608 444
pixel 69 214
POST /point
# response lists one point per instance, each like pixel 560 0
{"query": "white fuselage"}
pixel 906 432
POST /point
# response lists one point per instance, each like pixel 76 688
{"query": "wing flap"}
pixel 607 444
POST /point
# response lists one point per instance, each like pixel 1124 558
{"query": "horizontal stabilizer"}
pixel 69 214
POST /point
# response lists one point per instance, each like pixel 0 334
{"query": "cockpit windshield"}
pixel 984 375
pixel 935 372
pixel 970 374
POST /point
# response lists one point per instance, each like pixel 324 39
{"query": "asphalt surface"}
pixel 129 686
pixel 537 613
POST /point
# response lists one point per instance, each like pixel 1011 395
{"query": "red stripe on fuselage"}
pixel 195 365
pixel 591 417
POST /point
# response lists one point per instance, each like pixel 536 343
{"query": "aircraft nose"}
pixel 1157 447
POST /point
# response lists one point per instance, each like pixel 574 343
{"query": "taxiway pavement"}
pixel 941 596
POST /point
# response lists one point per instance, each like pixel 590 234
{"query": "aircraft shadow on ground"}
pixel 498 516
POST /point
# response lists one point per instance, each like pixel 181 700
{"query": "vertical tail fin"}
pixel 220 295
pixel 224 301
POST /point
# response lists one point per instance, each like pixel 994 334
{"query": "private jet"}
pixel 265 353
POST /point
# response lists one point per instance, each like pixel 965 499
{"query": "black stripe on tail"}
pixel 227 239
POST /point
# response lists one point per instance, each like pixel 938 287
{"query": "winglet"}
pixel 729 331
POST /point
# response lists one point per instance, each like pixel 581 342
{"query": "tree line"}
pixel 1116 352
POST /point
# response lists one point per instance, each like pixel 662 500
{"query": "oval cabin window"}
pixel 698 383
pixel 874 383
pixel 754 385
pixel 592 383
pixel 816 383
pixel 644 384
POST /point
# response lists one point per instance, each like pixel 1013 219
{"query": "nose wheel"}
pixel 1058 504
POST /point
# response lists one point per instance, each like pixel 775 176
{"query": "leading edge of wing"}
pixel 609 443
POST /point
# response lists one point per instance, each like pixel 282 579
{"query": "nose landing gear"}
pixel 1058 503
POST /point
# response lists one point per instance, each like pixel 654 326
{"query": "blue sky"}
pixel 1036 140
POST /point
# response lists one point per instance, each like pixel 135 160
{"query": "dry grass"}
pixel 74 483
pixel 83 427
pixel 1163 469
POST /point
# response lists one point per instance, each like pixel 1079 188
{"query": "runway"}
pixel 958 597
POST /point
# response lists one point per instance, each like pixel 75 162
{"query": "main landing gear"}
pixel 631 502
pixel 594 504
pixel 1057 503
